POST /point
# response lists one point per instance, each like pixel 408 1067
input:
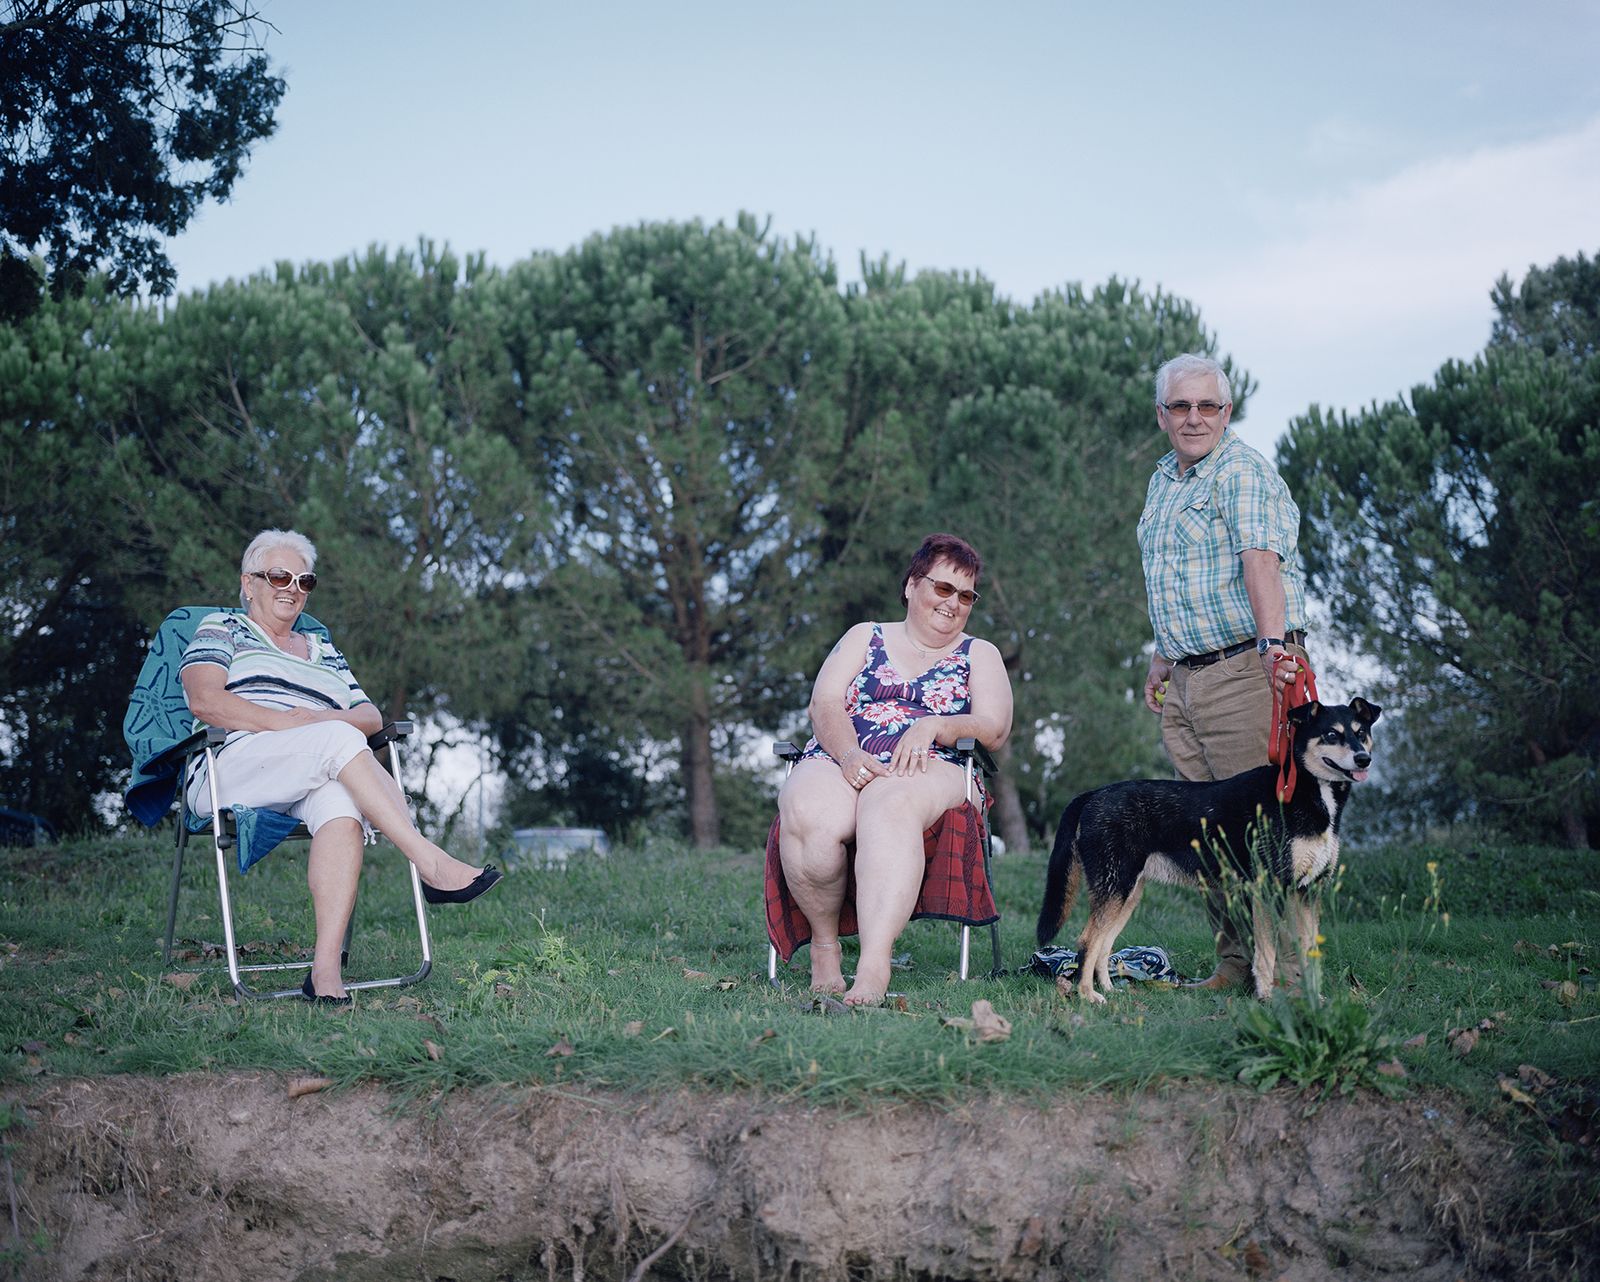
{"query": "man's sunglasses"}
pixel 281 578
pixel 940 587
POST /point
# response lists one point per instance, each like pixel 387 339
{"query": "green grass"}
pixel 647 971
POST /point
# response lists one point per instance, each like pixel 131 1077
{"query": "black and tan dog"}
pixel 1119 836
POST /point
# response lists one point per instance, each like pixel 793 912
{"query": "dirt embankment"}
pixel 232 1180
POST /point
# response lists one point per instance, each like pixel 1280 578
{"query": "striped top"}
pixel 262 673
pixel 1194 526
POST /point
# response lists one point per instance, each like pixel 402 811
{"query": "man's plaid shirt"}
pixel 1192 530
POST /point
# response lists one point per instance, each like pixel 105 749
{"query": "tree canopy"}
pixel 118 118
pixel 1459 533
pixel 610 507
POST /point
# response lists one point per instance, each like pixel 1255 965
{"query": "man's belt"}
pixel 1227 652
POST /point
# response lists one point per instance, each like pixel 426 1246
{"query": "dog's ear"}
pixel 1303 712
pixel 1365 712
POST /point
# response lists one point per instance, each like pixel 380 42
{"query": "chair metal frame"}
pixel 203 745
pixel 975 756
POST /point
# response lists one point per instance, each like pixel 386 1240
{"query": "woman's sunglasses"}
pixel 281 578
pixel 967 595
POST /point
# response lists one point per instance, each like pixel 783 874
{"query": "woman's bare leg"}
pixel 333 872
pixel 384 805
pixel 893 813
pixel 816 812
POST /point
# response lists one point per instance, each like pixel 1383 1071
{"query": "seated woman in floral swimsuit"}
pixel 886 710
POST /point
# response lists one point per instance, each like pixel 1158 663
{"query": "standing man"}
pixel 1226 598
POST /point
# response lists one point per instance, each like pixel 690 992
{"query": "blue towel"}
pixel 158 717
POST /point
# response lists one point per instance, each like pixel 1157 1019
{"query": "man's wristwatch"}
pixel 1263 644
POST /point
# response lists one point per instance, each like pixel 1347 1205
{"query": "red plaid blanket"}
pixel 955 885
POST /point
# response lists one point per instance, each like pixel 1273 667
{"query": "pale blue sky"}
pixel 1337 187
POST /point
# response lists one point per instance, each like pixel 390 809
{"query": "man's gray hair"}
pixel 1187 364
pixel 255 556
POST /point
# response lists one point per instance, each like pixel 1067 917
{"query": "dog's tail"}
pixel 1065 874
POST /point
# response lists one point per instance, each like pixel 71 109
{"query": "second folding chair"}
pixel 955 882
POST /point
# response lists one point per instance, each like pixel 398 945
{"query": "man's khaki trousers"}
pixel 1216 723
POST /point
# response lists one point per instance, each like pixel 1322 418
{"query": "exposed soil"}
pixel 234 1179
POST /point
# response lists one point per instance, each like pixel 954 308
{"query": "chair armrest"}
pixel 786 750
pixel 173 757
pixel 391 731
pixel 970 747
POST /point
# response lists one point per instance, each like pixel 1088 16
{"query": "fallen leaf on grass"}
pixel 1415 1043
pixel 633 1028
pixel 822 1004
pixel 765 1035
pixel 560 1050
pixel 1462 1040
pixel 696 974
pixel 991 1026
pixel 986 1024
pixel 726 984
pixel 299 1086
pixel 1514 1093
pixel 1535 1079
pixel 665 1032
pixel 1393 1068
pixel 435 1053
pixel 1567 994
pixel 182 980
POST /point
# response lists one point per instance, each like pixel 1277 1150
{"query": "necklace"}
pixel 926 654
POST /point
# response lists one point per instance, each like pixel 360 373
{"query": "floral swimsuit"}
pixel 883 704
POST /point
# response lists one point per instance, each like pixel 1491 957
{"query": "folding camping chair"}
pixel 955 885
pixel 166 750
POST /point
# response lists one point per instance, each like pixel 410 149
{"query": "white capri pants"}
pixel 295 771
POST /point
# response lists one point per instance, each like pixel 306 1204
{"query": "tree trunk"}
pixel 1008 806
pixel 699 779
pixel 1573 827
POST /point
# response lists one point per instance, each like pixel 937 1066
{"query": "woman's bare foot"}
pixel 871 986
pixel 827 959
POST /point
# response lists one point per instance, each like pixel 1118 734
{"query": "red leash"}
pixel 1300 689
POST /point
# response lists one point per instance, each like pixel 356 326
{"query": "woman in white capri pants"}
pixel 298 724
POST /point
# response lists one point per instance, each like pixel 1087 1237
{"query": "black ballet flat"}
pixel 321 999
pixel 467 893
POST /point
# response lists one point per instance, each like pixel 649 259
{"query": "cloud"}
pixel 1364 294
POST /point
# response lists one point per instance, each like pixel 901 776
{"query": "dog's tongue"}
pixel 1360 776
